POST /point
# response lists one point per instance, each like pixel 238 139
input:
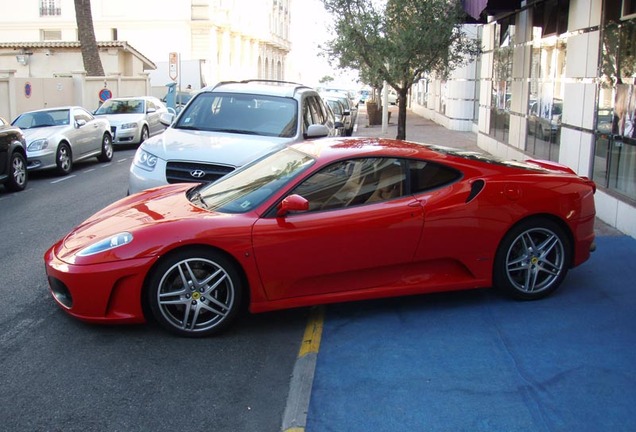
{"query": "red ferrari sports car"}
pixel 325 221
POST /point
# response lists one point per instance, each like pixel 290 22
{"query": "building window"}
pixel 50 8
pixel 502 80
pixel 546 86
pixel 113 34
pixel 615 146
pixel 50 35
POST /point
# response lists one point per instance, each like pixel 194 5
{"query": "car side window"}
pixel 428 175
pixel 353 182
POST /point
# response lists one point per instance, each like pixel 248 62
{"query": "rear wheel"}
pixel 18 173
pixel 195 292
pixel 532 260
pixel 63 159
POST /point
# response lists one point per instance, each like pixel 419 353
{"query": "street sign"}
pixel 173 66
pixel 105 94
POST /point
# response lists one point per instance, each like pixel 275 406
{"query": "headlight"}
pixel 145 160
pixel 129 126
pixel 38 145
pixel 107 244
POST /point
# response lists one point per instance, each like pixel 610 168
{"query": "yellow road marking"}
pixel 313 332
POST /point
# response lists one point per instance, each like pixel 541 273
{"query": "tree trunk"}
pixel 86 34
pixel 402 100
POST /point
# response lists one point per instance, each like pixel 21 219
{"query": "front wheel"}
pixel 144 134
pixel 532 259
pixel 195 292
pixel 17 173
pixel 107 149
pixel 64 159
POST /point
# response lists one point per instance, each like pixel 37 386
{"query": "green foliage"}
pixel 399 40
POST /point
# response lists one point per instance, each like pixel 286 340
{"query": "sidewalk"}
pixel 418 129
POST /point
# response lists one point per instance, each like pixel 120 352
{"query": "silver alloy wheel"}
pixel 195 295
pixel 19 171
pixel 535 260
pixel 144 134
pixel 64 158
pixel 107 147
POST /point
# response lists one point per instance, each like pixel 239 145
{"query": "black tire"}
pixel 18 177
pixel 532 259
pixel 107 149
pixel 64 159
pixel 195 292
pixel 144 134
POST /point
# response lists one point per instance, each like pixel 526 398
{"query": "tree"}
pixel 86 34
pixel 399 41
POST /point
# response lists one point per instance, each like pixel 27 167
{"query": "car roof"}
pixel 260 87
pixel 336 148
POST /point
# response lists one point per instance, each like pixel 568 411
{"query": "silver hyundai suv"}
pixel 225 126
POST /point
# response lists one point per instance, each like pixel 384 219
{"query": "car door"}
pixel 345 242
pixel 88 137
pixel 152 116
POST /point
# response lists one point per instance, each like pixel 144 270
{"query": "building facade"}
pixel 556 80
pixel 232 39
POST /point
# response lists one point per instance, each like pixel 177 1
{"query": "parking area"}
pixel 479 361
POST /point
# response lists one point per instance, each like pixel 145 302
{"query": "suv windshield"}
pixel 241 113
pixel 248 187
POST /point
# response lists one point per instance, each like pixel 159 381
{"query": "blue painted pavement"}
pixel 478 361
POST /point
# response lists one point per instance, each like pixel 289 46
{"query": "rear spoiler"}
pixel 554 166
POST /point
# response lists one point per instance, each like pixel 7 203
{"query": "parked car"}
pixel 224 127
pixel 545 120
pixel 59 137
pixel 133 120
pixel 13 160
pixel 344 99
pixel 325 221
pixel 341 115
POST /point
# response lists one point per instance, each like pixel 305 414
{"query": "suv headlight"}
pixel 145 160
pixel 39 144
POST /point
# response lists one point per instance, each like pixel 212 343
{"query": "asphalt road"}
pixel 58 374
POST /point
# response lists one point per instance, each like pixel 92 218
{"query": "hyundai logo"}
pixel 197 173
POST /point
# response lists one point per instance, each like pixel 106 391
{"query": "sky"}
pixel 310 28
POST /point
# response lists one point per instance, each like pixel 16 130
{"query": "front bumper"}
pixel 100 293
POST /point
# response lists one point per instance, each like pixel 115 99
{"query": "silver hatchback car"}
pixel 225 126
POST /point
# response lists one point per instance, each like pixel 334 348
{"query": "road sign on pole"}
pixel 173 66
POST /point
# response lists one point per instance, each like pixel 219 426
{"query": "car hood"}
pixel 117 119
pixel 216 147
pixel 144 215
pixel 41 132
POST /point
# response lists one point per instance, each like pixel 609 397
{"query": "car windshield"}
pixel 42 119
pixel 242 114
pixel 251 185
pixel 135 106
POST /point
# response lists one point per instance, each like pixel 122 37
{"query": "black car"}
pixel 13 165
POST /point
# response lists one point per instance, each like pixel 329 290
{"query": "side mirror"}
pixel 150 110
pixel 292 203
pixel 317 131
pixel 166 119
pixel 338 125
pixel 79 123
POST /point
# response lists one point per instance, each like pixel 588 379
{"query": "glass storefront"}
pixel 615 149
pixel 502 80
